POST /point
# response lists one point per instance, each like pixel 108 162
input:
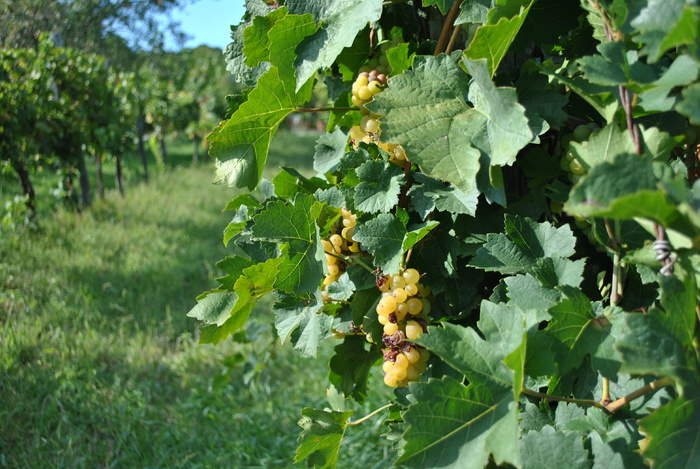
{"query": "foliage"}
pixel 550 199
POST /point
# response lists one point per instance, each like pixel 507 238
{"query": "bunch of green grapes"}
pixel 569 162
pixel 378 59
pixel 403 311
pixel 338 246
pixel 367 85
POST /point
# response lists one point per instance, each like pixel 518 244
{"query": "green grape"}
pixel 582 132
pixel 411 289
pixel 336 240
pixel 333 269
pixel 413 330
pixel 397 281
pixel 411 276
pixel 390 380
pixel 375 87
pixel 413 355
pixel 372 126
pixel 564 164
pixel 364 93
pixel 399 295
pixel 576 167
pixel 415 306
pixel 389 303
pixel 388 367
pixel 401 361
pixel 391 328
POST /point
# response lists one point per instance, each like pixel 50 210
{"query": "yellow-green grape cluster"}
pixel 569 162
pixel 403 311
pixel 378 59
pixel 367 85
pixel 337 246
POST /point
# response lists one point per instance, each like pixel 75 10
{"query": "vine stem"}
pixel 653 386
pixel 551 397
pixel 322 109
pixel 368 416
pixel 613 406
pixel 445 33
pixel 453 39
pixel 350 259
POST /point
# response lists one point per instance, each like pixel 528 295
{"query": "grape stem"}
pixel 351 260
pixel 368 416
pixel 611 407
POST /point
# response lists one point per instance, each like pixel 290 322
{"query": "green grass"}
pixel 99 365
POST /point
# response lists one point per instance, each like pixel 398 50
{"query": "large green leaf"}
pixel 462 427
pixel 507 129
pixel 241 143
pixel 350 366
pixel 339 21
pixel 549 448
pixel 492 41
pixel 674 433
pixel 428 194
pixel 379 188
pixel 321 436
pixel 303 323
pixel 579 331
pixel 520 250
pixel 665 24
pixel 294 225
pixel 426 111
pixel 383 237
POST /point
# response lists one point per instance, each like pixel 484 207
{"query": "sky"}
pixel 208 22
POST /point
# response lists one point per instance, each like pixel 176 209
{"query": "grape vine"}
pixel 504 223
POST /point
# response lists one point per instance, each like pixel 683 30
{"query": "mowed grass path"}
pixel 99 365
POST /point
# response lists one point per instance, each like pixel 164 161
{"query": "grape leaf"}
pixel 400 58
pixel 462 427
pixel 507 128
pixel 303 324
pixel 526 292
pixel 474 11
pixel 443 5
pixel 579 330
pixel 674 433
pixel 433 194
pixel 425 110
pixel 350 366
pixel 256 43
pixel 383 237
pixel 416 233
pixel 545 448
pixel 235 60
pixel 322 433
pixel 214 308
pixel 520 249
pixel 241 143
pixel 481 360
pixel 688 105
pixel 602 98
pixel 540 103
pixel 341 20
pixel 492 41
pixel 664 24
pixel 330 148
pixel 649 346
pixel 294 225
pixel 226 312
pixel 612 454
pixel 379 188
